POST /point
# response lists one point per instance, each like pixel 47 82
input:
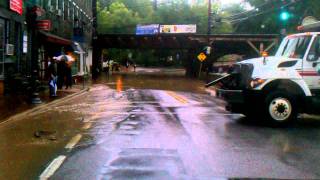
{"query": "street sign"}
pixel 202 57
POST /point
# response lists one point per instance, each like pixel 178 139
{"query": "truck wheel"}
pixel 280 108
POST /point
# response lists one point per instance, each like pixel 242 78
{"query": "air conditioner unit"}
pixel 52 8
pixel 9 49
pixel 59 12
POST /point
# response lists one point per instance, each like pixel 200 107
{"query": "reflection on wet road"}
pixel 125 132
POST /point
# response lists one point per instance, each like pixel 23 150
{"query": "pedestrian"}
pixel 107 68
pixel 52 71
pixel 134 67
pixel 127 66
pixel 61 68
pixel 68 75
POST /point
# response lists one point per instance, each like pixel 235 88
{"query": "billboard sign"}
pixel 147 29
pixel 175 29
pixel 16 6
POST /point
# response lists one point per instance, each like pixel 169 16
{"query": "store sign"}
pixel 147 29
pixel 192 28
pixel 44 25
pixel 16 6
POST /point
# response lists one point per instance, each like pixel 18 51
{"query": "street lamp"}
pixel 34 83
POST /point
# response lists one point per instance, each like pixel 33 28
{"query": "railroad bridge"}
pixel 248 45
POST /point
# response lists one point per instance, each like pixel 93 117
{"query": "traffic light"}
pixel 284 16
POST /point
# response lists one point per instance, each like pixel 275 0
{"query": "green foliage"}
pixel 122 16
pixel 269 16
pixel 117 18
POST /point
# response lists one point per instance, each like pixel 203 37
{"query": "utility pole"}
pixel 209 17
pixel 95 53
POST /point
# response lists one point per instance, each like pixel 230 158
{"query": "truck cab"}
pixel 278 87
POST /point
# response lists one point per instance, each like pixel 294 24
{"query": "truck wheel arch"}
pixel 287 85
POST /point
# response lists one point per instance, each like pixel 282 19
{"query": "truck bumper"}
pixel 239 100
pixel 231 96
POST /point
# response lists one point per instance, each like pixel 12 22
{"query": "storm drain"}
pixel 145 164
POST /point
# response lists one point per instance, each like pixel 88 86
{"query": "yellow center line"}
pixel 178 97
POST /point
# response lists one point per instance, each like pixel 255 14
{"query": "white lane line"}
pixel 52 168
pixel 73 141
pixel 87 126
pixel 221 108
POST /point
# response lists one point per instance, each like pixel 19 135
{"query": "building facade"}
pixel 33 31
pixel 11 40
pixel 64 26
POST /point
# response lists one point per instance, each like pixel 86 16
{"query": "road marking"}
pixel 94 117
pixel 87 126
pixel 52 168
pixel 73 141
pixel 221 108
pixel 178 97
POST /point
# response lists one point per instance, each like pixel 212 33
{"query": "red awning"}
pixel 54 39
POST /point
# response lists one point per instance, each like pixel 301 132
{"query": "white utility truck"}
pixel 278 87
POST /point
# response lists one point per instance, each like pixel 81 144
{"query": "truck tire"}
pixel 280 108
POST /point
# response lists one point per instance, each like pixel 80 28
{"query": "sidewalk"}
pixel 13 104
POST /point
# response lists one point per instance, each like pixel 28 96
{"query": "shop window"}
pixel 54 3
pixel 66 10
pixel 2 46
pixel 60 4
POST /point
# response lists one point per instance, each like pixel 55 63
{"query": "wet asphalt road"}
pixel 118 130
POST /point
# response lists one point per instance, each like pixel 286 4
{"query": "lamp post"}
pixel 34 82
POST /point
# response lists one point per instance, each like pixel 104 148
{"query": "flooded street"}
pixel 153 124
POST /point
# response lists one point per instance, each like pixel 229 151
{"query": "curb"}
pixel 40 107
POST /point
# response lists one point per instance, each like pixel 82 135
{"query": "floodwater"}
pixel 157 79
pixel 152 125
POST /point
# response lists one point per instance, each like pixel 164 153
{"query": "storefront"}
pixel 53 46
pixel 11 25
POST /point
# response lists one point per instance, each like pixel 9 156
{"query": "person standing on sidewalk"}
pixel 68 75
pixel 61 72
pixel 52 71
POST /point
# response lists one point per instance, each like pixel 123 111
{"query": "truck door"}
pixel 311 66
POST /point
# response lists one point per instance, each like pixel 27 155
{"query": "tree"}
pixel 266 13
pixel 117 18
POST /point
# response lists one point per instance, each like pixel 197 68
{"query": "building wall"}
pixel 11 33
pixel 68 18
pixel 71 20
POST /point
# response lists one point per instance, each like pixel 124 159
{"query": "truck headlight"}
pixel 257 82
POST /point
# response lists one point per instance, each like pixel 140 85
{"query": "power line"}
pixel 263 12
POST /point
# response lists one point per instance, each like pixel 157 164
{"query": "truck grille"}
pixel 242 73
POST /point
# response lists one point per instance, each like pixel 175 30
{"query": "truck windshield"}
pixel 294 47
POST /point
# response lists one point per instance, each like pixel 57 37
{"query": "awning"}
pixel 10 15
pixel 54 39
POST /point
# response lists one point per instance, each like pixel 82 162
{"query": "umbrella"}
pixel 67 58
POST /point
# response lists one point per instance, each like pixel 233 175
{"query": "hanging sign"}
pixel 16 6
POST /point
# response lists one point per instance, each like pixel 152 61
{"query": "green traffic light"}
pixel 284 16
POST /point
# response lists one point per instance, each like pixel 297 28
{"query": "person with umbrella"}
pixel 64 70
pixel 52 71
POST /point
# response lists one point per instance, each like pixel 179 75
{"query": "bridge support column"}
pixel 192 68
pixel 96 57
